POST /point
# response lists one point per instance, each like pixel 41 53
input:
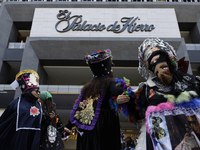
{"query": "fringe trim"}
pixel 141 141
pixel 97 112
pixel 194 103
pixel 185 96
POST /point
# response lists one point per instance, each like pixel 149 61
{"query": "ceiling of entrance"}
pixel 79 75
pixel 75 75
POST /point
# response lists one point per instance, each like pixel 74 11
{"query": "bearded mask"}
pixel 150 48
pixel 159 64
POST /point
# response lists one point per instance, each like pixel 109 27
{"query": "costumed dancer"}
pixel 169 100
pixel 98 125
pixel 52 129
pixel 21 121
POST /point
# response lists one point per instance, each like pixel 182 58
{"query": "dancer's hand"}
pixel 52 115
pixel 122 98
pixel 68 131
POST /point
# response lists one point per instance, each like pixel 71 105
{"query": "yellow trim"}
pixel 26 71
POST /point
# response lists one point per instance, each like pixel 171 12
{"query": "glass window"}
pixel 161 1
pixel 186 36
pixel 189 32
pixel 16 45
pixel 112 0
pixel 188 0
pixel 22 35
pixel 137 0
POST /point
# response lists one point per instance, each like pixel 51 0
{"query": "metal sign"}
pixel 76 23
pixel 105 22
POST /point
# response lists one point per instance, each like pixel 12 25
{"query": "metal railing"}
pixel 16 45
pixel 193 46
pixel 101 0
pixel 54 89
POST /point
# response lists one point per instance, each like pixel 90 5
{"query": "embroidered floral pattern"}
pixel 34 111
pixel 162 87
pixel 187 78
pixel 86 113
pixel 181 85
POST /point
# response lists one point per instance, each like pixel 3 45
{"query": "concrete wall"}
pixel 42 49
pixel 76 48
pixel 6 25
pixel 195 33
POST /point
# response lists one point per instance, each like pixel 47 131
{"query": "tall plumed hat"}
pixel 26 79
pixel 100 62
pixel 153 47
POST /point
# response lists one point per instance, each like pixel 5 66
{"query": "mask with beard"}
pixel 159 64
pixel 163 73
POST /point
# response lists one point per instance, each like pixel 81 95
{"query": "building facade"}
pixel 52 38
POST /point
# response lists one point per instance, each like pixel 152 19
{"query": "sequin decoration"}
pixel 86 113
pixel 33 79
pixel 99 56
